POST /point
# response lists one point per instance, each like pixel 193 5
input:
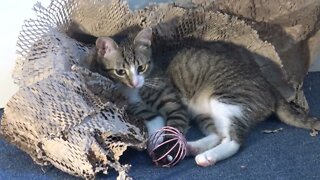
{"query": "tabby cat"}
pixel 129 63
pixel 219 83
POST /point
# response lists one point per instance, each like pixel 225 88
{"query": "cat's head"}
pixel 128 62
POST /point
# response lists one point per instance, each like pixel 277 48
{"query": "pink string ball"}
pixel 167 147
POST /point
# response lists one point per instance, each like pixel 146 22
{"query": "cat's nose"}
pixel 134 83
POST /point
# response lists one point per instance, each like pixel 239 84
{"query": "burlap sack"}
pixel 60 113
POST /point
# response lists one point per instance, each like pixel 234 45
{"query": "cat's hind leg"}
pixel 203 144
pixel 230 125
pixel 220 152
pixel 206 126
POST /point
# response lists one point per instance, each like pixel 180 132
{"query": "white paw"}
pixel 155 140
pixel 205 160
pixel 154 125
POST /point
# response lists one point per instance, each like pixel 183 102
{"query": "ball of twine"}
pixel 167 147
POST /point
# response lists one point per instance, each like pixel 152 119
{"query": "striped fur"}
pixel 224 90
pixel 219 84
pixel 155 98
pixel 202 74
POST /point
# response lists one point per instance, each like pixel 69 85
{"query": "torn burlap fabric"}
pixel 60 121
pixel 65 115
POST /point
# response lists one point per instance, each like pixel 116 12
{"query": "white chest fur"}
pixel 132 94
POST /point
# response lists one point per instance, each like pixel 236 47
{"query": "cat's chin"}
pixel 133 87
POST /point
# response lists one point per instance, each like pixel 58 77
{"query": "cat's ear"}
pixel 144 37
pixel 106 46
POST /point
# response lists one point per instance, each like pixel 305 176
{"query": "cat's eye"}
pixel 142 68
pixel 120 72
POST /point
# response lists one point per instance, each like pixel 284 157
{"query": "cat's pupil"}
pixel 120 72
pixel 141 68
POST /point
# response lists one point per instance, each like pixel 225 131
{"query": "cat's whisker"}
pixel 161 80
pixel 153 86
pixel 157 78
pixel 116 86
pixel 155 82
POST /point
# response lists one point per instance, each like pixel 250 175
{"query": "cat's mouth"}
pixel 135 83
pixel 134 86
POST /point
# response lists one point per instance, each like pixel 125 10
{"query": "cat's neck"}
pixel 90 61
pixel 132 94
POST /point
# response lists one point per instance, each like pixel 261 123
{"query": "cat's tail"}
pixel 290 114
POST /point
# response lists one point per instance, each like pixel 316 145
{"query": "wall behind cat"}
pixel 12 15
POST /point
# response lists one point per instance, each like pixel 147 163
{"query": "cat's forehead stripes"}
pixel 128 52
pixel 128 55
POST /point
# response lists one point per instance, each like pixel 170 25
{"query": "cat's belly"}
pixel 222 114
pixel 199 105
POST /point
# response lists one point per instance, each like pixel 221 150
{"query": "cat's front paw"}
pixel 205 159
pixel 154 141
pixel 171 150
